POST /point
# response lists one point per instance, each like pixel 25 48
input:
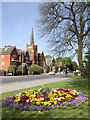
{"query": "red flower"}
pixel 40 96
pixel 58 95
pixel 14 98
pixel 61 101
pixel 59 89
pixel 74 95
pixel 58 104
pixel 23 99
pixel 67 100
pixel 29 101
pixel 63 95
pixel 66 91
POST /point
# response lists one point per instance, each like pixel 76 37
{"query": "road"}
pixel 11 83
pixel 11 79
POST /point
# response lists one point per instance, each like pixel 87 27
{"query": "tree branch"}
pixel 66 6
pixel 86 32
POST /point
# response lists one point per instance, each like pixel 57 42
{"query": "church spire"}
pixel 32 38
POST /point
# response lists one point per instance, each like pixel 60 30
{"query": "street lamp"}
pixel 22 64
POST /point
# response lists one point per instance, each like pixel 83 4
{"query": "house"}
pixel 10 55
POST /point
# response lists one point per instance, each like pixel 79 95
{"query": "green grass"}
pixel 73 112
pixel 77 77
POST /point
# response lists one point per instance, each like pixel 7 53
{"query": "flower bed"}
pixel 34 100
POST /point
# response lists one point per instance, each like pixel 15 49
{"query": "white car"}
pixel 51 73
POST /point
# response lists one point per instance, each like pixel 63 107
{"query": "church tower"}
pixel 32 49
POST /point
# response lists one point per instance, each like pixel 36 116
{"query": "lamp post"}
pixel 13 70
pixel 22 64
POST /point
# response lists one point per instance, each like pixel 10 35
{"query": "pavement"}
pixel 21 85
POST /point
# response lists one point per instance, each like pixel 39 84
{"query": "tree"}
pixel 12 69
pixel 65 24
pixel 36 69
pixel 58 60
pixel 21 68
pixel 67 62
pixel 48 56
pixel 74 65
pixel 87 62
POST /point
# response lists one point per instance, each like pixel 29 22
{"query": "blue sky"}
pixel 17 20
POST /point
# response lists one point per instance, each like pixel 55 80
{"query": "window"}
pixel 29 52
pixel 22 57
pixel 2 56
pixel 26 58
pixel 2 63
pixel 14 56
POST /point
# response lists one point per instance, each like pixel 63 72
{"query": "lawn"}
pixel 78 77
pixel 73 112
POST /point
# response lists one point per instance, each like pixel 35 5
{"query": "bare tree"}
pixel 66 24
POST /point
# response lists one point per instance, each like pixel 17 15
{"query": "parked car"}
pixel 9 74
pixel 77 73
pixel 51 73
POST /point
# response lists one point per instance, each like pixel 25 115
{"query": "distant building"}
pixel 10 55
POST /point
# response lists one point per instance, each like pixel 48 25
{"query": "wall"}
pixel 6 61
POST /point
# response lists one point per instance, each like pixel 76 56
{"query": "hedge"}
pixel 20 69
pixel 35 69
pixel 18 72
pixel 11 69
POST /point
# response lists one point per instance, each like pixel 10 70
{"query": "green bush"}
pixel 11 69
pixel 18 72
pixel 61 69
pixel 21 69
pixel 36 69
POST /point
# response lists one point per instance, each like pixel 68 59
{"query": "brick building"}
pixel 10 55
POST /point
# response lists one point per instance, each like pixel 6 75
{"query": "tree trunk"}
pixel 81 66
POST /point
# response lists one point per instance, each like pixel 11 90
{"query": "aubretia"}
pixel 31 100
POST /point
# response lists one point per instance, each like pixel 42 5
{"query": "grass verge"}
pixel 73 112
pixel 78 77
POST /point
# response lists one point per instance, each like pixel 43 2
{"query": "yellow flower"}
pixel 38 100
pixel 38 103
pixel 41 99
pixel 68 96
pixel 35 99
pixel 16 100
pixel 18 97
pixel 51 100
pixel 36 92
pixel 52 95
pixel 27 94
pixel 46 103
pixel 55 102
pixel 49 103
pixel 62 98
pixel 72 92
pixel 33 96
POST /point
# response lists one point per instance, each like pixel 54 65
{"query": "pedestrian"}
pixel 66 72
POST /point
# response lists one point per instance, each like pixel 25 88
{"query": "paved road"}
pixel 16 83
pixel 11 79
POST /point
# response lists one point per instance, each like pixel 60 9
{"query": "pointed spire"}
pixel 32 38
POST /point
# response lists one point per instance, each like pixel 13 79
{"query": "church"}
pixel 10 55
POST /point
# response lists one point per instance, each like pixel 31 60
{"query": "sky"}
pixel 17 20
